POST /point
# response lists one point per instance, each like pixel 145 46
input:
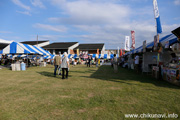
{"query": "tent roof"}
pixel 34 42
pixel 19 48
pixel 59 45
pixel 90 46
pixel 168 39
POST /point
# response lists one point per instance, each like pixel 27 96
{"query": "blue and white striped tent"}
pixel 167 40
pixel 19 48
pixel 103 56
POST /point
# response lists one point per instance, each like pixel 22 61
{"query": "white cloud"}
pixel 108 21
pixel 177 2
pixel 20 4
pixel 24 12
pixel 50 27
pixel 37 3
pixel 86 12
pixel 50 37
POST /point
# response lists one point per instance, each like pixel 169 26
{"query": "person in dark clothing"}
pixel 88 61
pixel 57 62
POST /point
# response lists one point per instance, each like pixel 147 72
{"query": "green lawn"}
pixel 89 93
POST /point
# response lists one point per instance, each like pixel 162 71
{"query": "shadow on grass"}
pixel 85 71
pixel 45 73
pixel 106 73
pixel 50 74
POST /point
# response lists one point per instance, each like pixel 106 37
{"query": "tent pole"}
pixel 27 60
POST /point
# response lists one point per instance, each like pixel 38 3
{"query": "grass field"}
pixel 89 93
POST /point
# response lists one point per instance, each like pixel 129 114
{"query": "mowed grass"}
pixel 89 93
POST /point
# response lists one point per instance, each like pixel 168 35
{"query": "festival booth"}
pixel 19 50
pixel 77 58
pixel 171 68
pixel 163 59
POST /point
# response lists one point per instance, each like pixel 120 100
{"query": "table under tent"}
pixel 164 62
pixel 150 57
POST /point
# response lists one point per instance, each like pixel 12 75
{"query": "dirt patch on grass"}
pixel 81 110
pixel 64 96
pixel 115 88
pixel 97 108
pixel 90 95
pixel 57 112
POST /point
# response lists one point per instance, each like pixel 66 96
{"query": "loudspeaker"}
pixel 176 32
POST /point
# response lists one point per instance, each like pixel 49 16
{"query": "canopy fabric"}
pixel 111 56
pixel 167 40
pixel 69 56
pixel 19 48
pixel 14 48
pixel 49 57
pixel 94 55
pixel 75 56
pixel 105 56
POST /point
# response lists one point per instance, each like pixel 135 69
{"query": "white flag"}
pixel 126 46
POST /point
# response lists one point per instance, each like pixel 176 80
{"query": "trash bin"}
pixel 23 66
pixel 17 67
pixel 13 67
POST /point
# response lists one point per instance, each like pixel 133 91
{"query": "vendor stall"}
pixel 19 50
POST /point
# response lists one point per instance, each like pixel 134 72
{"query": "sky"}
pixel 86 21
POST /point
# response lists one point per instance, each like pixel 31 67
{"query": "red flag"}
pixel 121 52
pixel 133 39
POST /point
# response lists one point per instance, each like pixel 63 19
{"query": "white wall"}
pixel 72 47
pixel 5 41
pixel 103 50
pixel 43 44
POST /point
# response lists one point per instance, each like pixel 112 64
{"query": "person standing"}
pixel 115 64
pixel 88 61
pixel 136 61
pixel 65 65
pixel 57 62
pixel 72 61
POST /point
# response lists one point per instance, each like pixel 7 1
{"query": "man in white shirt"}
pixel 65 65
pixel 115 64
pixel 136 60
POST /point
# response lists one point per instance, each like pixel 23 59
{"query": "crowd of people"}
pixel 63 64
pixel 131 62
pixel 5 61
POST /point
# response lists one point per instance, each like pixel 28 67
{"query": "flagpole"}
pixel 37 46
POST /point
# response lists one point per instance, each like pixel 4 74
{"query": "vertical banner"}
pixel 121 52
pixel 133 39
pixel 156 41
pixel 98 51
pixel 118 52
pixel 144 46
pixel 157 17
pixel 126 45
pixel 78 52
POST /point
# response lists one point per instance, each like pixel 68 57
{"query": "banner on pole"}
pixel 133 39
pixel 98 51
pixel 144 46
pixel 78 52
pixel 157 17
pixel 121 52
pixel 156 41
pixel 126 47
